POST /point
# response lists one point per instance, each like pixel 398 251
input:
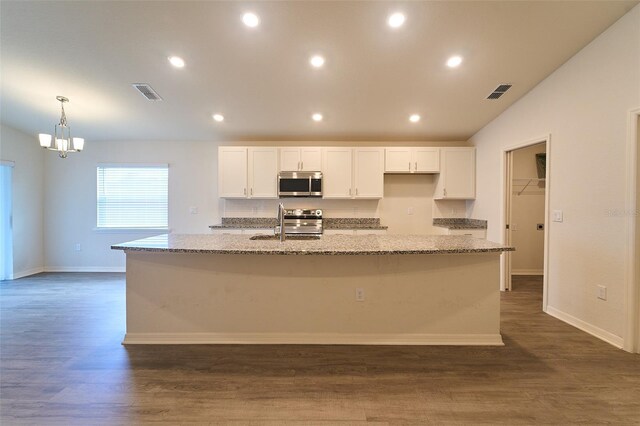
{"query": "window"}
pixel 133 196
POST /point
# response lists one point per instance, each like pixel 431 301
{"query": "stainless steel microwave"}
pixel 300 184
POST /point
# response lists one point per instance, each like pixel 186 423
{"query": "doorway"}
pixel 526 214
pixel 6 231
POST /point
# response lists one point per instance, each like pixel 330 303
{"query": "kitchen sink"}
pixel 294 237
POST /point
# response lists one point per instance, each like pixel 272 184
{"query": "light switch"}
pixel 557 216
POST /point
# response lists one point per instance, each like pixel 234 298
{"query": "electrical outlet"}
pixel 409 210
pixel 78 247
pixel 602 292
pixel 359 294
pixel 193 210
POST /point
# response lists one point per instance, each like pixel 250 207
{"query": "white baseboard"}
pixel 84 269
pixel 311 339
pixel 527 272
pixel 27 272
pixel 601 334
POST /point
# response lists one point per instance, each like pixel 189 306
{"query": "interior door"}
pixel 6 231
pixel 507 215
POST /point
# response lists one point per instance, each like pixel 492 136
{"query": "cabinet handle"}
pixel 349 191
pixel 245 191
pixel 444 192
pixel 356 191
pixel 409 165
pixel 416 169
pixel 302 165
pixel 251 191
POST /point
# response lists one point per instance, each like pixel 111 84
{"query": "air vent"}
pixel 499 91
pixel 147 91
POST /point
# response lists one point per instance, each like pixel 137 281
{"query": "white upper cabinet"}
pixel 353 172
pixel 293 159
pixel 412 160
pixel 397 160
pixel 232 172
pixel 426 160
pixel 263 172
pixel 457 178
pixel 337 173
pixel 368 176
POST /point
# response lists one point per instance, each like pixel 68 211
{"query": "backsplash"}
pixel 407 207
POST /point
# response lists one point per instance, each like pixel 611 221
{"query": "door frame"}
pixel 632 279
pixel 505 260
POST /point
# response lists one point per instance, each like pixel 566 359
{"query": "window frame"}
pixel 131 229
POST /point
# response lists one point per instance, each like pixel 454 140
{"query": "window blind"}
pixel 133 196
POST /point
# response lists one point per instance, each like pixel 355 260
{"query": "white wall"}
pixel 527 211
pixel 71 214
pixel 402 193
pixel 71 210
pixel 584 105
pixel 28 176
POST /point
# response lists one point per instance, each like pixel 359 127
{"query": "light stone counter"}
pixel 326 245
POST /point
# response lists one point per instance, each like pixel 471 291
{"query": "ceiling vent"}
pixel 147 91
pixel 499 91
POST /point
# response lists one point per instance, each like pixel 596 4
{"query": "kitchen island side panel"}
pixel 226 298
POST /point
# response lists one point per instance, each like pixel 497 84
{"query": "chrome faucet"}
pixel 281 222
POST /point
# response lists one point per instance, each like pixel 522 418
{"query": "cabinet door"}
pixel 426 160
pixel 457 174
pixel 369 172
pixel 397 160
pixel 289 159
pixel 263 172
pixel 337 173
pixel 232 172
pixel 311 159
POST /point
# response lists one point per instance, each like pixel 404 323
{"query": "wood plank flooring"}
pixel 62 363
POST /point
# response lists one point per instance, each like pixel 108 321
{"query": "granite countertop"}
pixel 269 222
pixel 326 245
pixel 460 223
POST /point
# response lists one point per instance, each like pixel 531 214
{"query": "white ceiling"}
pixel 260 79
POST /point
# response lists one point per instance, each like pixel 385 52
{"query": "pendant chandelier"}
pixel 61 140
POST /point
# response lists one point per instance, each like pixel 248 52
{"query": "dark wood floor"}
pixel 62 363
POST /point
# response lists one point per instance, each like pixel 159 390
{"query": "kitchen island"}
pixel 339 289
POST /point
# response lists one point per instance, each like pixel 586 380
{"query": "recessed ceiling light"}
pixel 396 20
pixel 317 117
pixel 316 61
pixel 454 61
pixel 176 61
pixel 414 118
pixel 250 19
pixel 218 117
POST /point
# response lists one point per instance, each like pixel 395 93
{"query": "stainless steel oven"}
pixel 300 184
pixel 302 221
